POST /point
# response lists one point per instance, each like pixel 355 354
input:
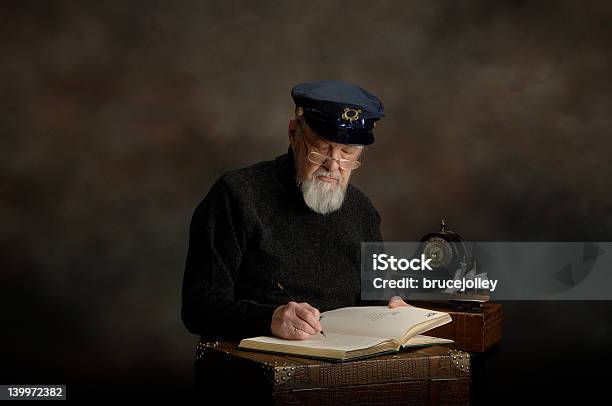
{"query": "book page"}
pixel 422 340
pixel 333 341
pixel 381 321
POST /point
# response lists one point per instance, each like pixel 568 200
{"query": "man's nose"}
pixel 332 164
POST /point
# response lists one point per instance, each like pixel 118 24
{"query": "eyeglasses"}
pixel 320 159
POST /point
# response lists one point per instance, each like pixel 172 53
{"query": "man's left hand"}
pixel 397 301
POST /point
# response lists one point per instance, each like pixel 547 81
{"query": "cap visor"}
pixel 341 135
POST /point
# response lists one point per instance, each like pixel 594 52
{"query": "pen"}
pixel 292 299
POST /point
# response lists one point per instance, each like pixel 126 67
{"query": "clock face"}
pixel 439 251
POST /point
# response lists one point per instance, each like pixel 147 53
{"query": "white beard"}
pixel 322 197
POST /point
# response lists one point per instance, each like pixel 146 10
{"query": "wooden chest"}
pixel 473 331
pixel 425 376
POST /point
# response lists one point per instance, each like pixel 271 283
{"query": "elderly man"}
pixel 295 220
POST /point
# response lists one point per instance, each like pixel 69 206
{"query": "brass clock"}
pixel 446 249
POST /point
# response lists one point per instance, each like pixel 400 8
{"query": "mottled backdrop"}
pixel 116 117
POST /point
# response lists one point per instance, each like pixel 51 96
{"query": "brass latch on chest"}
pixel 460 359
pixel 278 373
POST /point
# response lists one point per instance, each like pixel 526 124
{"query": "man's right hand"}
pixel 295 321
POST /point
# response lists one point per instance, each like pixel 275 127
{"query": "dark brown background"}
pixel 116 118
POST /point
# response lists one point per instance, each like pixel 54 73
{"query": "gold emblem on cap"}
pixel 350 114
pixel 299 112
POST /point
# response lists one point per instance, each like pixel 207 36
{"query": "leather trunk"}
pixel 426 376
pixel 474 330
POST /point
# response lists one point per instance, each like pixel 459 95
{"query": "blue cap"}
pixel 338 111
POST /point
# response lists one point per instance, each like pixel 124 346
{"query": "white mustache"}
pixel 323 172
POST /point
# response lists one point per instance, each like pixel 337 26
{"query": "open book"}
pixel 357 332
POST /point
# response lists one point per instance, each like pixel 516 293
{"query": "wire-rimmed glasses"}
pixel 320 159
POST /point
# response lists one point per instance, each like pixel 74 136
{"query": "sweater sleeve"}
pixel 217 240
pixel 374 235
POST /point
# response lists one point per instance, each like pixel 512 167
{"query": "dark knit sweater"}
pixel 254 229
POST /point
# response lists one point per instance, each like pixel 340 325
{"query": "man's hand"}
pixel 397 301
pixel 295 321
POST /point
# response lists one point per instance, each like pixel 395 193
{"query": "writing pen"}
pixel 293 300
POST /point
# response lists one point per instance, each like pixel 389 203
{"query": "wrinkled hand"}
pixel 295 321
pixel 397 301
